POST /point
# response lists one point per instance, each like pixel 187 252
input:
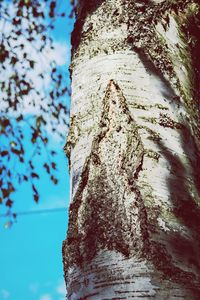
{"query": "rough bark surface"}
pixel 133 148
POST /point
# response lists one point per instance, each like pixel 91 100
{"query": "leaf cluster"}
pixel 33 94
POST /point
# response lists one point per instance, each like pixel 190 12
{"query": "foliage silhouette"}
pixel 33 98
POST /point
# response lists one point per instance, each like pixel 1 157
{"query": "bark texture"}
pixel 133 148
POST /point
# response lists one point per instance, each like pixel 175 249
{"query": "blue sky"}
pixel 30 251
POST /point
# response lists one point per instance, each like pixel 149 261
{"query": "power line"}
pixel 35 212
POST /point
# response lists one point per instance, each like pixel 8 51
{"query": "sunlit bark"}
pixel 133 148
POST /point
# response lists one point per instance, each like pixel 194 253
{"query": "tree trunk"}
pixel 134 151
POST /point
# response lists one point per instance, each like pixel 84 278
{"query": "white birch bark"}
pixel 133 148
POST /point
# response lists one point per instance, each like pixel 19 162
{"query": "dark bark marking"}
pixel 173 247
pixel 105 224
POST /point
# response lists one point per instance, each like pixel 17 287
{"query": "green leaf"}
pixel 36 198
pixel 34 175
pixel 9 203
pixel 4 153
pixel 25 178
pixel 32 63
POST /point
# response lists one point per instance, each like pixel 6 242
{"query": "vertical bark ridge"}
pixel 107 211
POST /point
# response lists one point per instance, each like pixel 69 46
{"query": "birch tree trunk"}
pixel 134 151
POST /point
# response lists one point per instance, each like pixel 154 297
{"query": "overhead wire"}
pixel 34 212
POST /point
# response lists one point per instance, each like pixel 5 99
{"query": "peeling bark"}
pixel 133 149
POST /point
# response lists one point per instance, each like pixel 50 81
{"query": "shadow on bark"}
pixel 87 8
pixel 178 248
pixel 177 257
pixel 166 88
pixel 191 28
